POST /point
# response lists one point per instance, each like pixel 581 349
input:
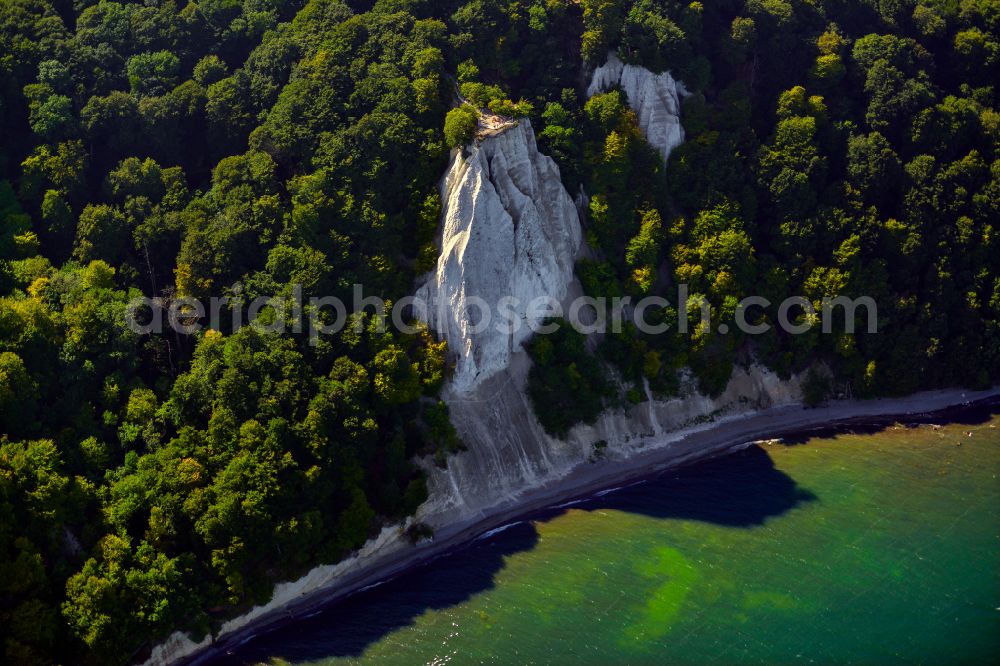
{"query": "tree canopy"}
pixel 152 482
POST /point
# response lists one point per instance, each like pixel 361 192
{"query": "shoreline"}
pixel 675 449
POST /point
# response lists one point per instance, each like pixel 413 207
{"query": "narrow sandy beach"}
pixel 673 449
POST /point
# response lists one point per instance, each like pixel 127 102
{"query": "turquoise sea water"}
pixel 855 548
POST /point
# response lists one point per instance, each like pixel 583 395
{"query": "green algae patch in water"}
pixel 663 608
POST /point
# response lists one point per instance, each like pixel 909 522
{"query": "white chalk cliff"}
pixel 509 230
pixel 655 98
pixel 509 227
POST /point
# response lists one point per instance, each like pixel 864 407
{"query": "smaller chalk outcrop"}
pixel 655 98
pixel 510 233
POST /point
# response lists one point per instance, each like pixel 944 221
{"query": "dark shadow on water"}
pixel 348 627
pixel 741 490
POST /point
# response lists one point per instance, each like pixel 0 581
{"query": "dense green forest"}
pixel 154 482
pixel 832 148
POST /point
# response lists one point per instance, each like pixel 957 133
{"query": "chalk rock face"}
pixel 510 230
pixel 655 98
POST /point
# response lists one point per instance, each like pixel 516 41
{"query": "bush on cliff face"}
pixel 566 384
pixel 460 126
